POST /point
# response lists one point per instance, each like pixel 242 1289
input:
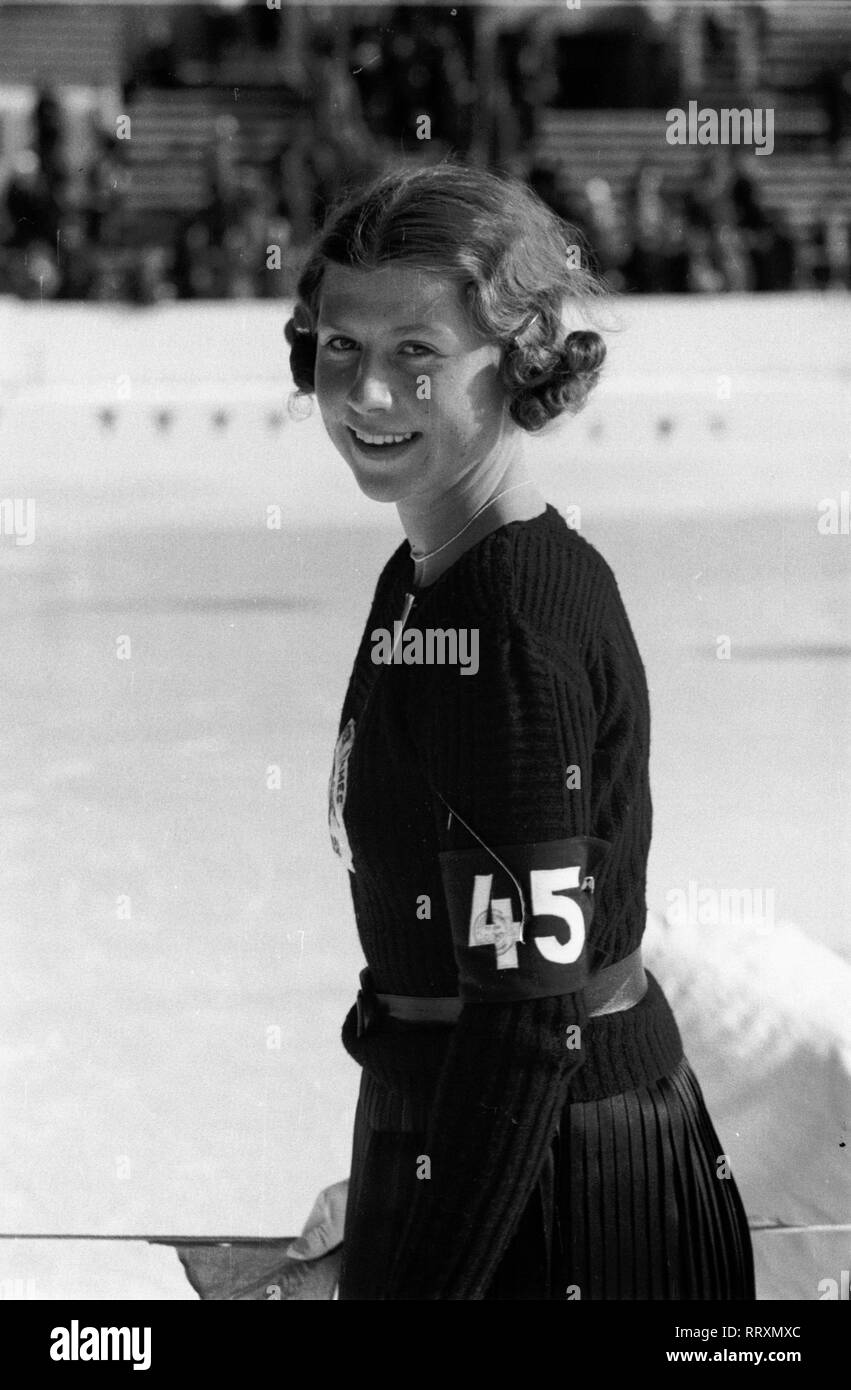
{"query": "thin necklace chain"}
pixel 473 518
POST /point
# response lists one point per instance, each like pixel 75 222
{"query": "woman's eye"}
pixel 418 349
pixel 339 344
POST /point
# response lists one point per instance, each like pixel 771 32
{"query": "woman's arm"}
pixel 509 751
pixel 501 1091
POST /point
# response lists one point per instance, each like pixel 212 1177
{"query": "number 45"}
pixel 547 886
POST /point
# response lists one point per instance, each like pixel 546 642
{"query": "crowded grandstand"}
pixel 188 151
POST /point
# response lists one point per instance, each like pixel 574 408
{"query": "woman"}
pixel 527 1126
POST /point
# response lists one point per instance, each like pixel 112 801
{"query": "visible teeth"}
pixel 382 438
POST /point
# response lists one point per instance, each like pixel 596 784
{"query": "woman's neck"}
pixel 441 536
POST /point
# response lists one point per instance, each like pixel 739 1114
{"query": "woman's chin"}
pixel 379 486
pixel 381 489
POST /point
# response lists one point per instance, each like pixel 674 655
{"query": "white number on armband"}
pixel 503 934
pixel 546 884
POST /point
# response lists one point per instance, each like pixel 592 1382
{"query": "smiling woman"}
pixel 405 411
pixel 527 1125
pixel 461 336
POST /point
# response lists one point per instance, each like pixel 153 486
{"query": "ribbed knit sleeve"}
pixel 510 749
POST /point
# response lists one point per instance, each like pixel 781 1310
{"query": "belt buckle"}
pixel 365 1005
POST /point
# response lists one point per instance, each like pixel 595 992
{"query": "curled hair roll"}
pixel 543 385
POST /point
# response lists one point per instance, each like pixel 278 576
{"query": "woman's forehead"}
pixel 394 296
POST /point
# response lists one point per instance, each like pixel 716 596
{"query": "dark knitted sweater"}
pixel 548 740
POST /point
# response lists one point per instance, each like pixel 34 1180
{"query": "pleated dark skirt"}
pixel 632 1203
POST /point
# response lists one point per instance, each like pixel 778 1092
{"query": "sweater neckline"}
pixel 543 520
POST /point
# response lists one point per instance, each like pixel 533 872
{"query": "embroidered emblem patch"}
pixel 337 785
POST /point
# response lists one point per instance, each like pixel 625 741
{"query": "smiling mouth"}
pixel 378 442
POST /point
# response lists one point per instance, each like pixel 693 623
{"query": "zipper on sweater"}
pixel 399 624
pixel 410 600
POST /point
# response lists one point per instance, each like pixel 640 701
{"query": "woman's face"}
pixel 410 393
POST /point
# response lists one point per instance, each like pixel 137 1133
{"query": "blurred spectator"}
pixel 223 29
pixel 33 273
pixel 781 267
pixel 605 232
pixel 305 178
pixel 458 126
pixel 345 145
pixel 105 189
pixel 731 258
pixel 709 196
pixel 835 91
pixel 704 275
pixel 525 80
pixel 830 254
pixel 658 260
pixel 222 251
pixel 417 64
pixel 76 259
pixel 147 279
pixel 48 128
pixel 560 195
pixel 31 207
pixel 766 237
pixel 221 164
pixel 157 65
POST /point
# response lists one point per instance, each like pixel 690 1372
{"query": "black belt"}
pixel 609 990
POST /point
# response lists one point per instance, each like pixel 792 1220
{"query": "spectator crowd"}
pixel 68 234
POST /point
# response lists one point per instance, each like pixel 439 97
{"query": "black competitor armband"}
pixel 520 917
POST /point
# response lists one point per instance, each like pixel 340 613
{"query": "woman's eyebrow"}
pixel 421 328
pixel 395 328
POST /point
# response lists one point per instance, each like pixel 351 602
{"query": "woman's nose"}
pixel 370 389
